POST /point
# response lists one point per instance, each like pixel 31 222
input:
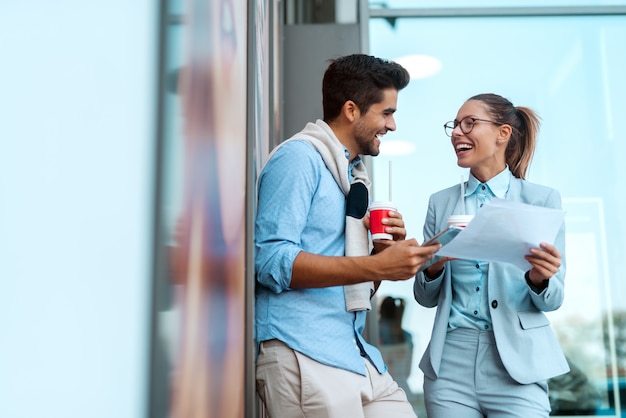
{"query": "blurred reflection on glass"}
pixel 395 342
pixel 206 336
pixel 573 393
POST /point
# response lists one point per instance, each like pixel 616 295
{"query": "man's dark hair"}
pixel 360 78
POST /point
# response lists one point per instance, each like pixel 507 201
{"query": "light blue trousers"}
pixel 473 382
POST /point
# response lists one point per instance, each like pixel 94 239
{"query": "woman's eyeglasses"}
pixel 466 124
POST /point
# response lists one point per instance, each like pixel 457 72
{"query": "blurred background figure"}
pixel 390 325
pixel 395 343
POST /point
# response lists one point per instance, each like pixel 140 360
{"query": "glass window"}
pixel 570 70
pixel 412 4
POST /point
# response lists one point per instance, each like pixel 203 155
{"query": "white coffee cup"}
pixel 460 220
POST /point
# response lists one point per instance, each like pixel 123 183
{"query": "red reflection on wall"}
pixel 208 260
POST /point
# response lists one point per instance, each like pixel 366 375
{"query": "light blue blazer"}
pixel 526 343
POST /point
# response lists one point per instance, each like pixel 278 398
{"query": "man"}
pixel 312 197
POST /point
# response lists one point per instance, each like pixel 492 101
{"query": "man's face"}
pixel 378 120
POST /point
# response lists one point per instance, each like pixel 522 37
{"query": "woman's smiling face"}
pixel 482 149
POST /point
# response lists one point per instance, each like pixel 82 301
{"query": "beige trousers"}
pixel 292 385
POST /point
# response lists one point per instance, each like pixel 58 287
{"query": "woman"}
pixel 492 348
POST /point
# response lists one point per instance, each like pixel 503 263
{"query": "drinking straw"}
pixel 390 181
pixel 462 195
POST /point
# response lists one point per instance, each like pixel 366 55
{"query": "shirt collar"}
pixel 499 185
pixel 351 164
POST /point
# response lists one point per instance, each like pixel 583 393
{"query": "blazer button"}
pixel 494 304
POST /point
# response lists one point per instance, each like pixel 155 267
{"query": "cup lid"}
pixel 382 204
pixel 460 218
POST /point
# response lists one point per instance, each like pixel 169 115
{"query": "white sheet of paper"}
pixel 503 230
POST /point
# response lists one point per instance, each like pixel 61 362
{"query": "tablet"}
pixel 444 236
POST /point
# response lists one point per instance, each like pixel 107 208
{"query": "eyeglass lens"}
pixel 466 125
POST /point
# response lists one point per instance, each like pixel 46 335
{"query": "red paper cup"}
pixel 379 210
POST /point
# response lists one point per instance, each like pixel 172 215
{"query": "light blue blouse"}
pixel 470 301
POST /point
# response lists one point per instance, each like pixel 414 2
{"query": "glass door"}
pixel 569 69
